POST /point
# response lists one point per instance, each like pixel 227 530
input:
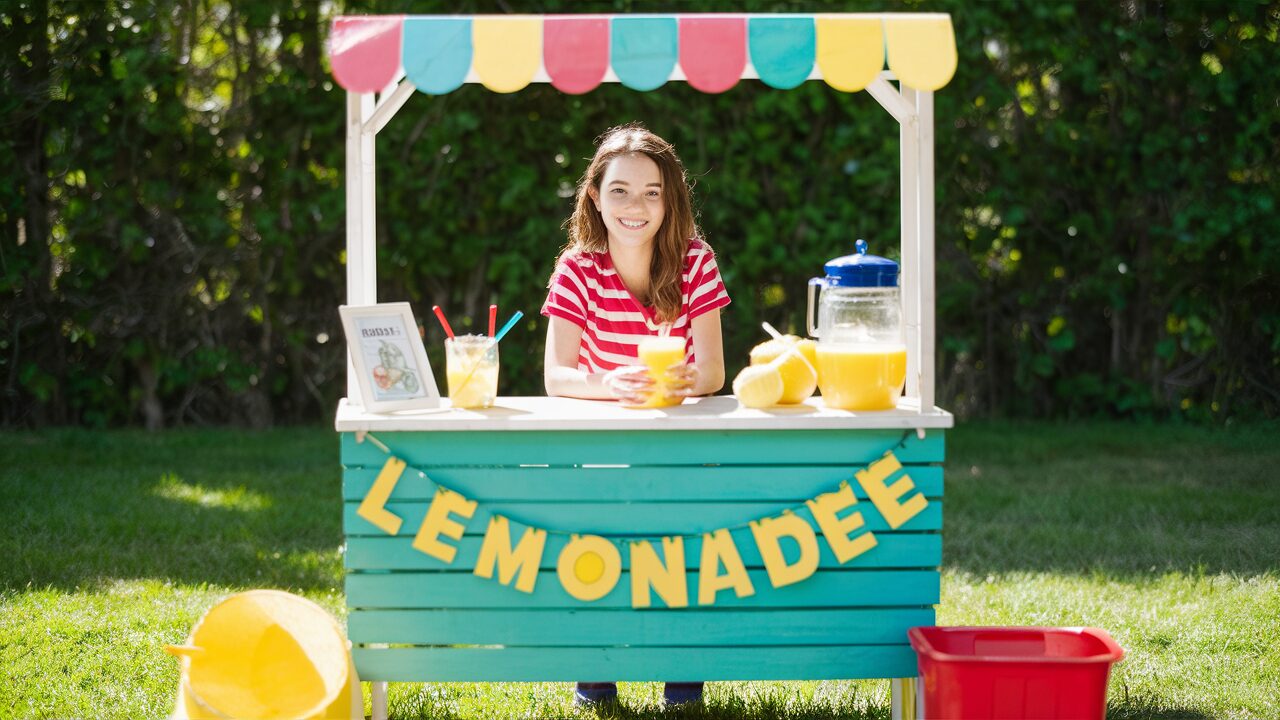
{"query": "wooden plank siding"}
pixel 413 617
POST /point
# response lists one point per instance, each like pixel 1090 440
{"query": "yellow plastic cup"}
pixel 270 655
pixel 659 353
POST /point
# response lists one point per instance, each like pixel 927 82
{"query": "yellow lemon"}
pixel 758 386
pixel 799 379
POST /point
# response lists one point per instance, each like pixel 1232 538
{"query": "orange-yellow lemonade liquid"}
pixel 658 354
pixel 466 353
pixel 862 377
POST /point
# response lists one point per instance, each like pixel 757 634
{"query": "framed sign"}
pixel 390 361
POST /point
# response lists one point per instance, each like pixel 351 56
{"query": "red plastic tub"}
pixel 1008 673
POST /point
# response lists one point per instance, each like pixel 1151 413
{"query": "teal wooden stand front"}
pixel 592 468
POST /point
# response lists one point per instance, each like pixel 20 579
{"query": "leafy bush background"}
pixel 172 215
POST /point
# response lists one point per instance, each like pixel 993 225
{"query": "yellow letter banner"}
pixel 523 558
pixel 589 567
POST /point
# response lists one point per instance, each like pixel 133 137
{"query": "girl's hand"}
pixel 682 378
pixel 630 384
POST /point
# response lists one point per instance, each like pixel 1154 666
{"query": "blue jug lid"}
pixel 862 270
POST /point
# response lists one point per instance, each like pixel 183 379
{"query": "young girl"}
pixel 634 267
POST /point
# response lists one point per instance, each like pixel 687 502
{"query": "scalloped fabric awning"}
pixel 575 53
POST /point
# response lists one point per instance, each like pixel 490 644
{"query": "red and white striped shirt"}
pixel 587 291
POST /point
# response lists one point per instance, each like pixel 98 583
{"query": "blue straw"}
pixel 510 324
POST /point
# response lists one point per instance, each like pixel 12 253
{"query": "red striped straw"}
pixel 443 323
pixel 493 319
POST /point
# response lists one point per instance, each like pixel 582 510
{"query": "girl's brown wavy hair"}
pixel 586 228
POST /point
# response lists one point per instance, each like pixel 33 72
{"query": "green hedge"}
pixel 173 224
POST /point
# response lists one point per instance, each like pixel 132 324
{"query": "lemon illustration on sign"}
pixel 589 567
pixel 758 386
pixel 799 378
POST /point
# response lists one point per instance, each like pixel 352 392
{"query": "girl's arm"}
pixel 562 377
pixel 708 347
pixel 560 365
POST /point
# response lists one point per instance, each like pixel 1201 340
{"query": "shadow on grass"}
pixel 1120 499
pixel 220 507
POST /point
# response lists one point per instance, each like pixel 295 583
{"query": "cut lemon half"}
pixel 758 386
pixel 799 378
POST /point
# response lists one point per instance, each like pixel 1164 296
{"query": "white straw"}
pixel 792 349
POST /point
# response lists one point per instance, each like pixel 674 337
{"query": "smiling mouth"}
pixel 633 224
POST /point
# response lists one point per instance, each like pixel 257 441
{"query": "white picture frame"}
pixel 391 363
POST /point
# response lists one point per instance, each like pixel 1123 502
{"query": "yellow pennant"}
pixel 508 51
pixel 922 51
pixel 850 51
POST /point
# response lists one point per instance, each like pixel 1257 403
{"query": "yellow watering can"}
pixel 268 655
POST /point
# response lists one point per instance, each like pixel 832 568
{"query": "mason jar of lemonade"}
pixel 862 357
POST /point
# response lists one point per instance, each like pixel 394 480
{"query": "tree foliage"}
pixel 172 228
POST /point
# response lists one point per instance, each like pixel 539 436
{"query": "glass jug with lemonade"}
pixel 862 357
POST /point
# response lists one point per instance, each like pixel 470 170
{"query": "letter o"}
pixel 589 567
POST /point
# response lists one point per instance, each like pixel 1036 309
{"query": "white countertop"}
pixel 721 412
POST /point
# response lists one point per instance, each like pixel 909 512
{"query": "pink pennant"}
pixel 713 51
pixel 575 52
pixel 365 51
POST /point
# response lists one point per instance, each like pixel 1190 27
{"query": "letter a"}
pixel 718 547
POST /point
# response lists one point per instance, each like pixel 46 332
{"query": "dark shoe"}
pixel 597 693
pixel 682 693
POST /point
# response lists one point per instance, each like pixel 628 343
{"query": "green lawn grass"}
pixel 114 543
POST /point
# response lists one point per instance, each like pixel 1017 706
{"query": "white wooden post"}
pixel 389 103
pixel 368 207
pixel 909 190
pixel 353 227
pixel 913 109
pixel 362 284
pixel 378 701
pixel 928 311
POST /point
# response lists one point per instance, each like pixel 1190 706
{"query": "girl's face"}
pixel 630 199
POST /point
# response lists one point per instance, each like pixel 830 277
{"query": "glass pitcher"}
pixel 862 357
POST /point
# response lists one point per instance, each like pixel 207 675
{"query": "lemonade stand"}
pixel 553 539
